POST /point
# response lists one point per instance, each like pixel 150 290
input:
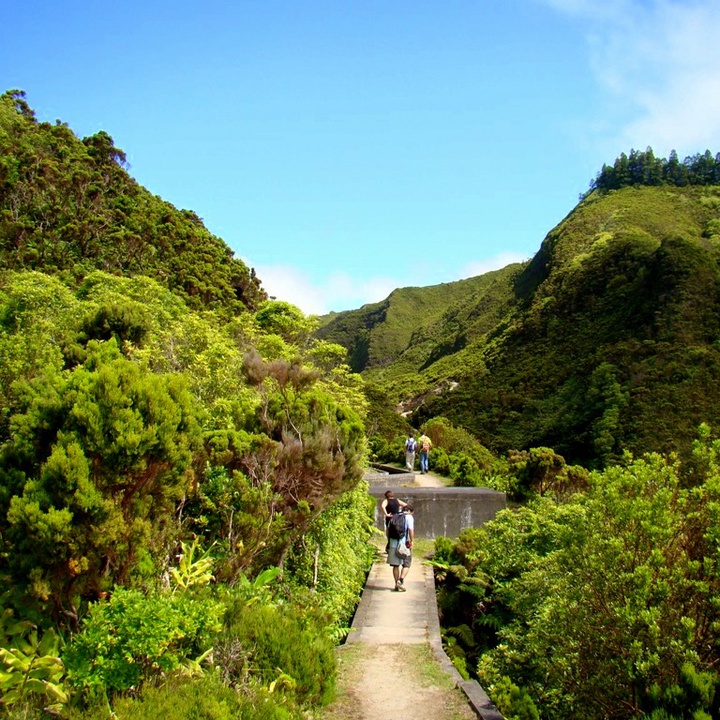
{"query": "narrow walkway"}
pixel 395 644
pixel 428 480
pixel 377 617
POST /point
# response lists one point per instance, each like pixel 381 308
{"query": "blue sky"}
pixel 344 149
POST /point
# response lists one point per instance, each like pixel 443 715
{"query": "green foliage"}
pixel 191 572
pixel 334 555
pixel 143 417
pixel 404 328
pixel 643 168
pixel 286 320
pixel 604 342
pixel 134 637
pixel 542 471
pixel 602 602
pixel 282 643
pixel 96 463
pixel 68 207
pixel 206 698
pixel 29 664
pixel 513 702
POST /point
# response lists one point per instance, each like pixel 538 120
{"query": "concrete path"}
pixel 381 607
pixel 387 618
pixel 428 480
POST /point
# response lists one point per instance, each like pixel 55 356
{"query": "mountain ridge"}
pixel 606 340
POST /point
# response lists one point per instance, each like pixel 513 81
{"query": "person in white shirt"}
pixel 401 563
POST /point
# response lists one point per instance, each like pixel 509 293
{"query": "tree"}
pixel 96 464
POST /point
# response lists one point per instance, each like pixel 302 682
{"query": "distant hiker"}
pixel 390 506
pixel 400 562
pixel 425 446
pixel 410 447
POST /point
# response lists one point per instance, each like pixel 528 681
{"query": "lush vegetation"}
pixel 643 168
pixel 595 595
pixel 601 605
pixel 69 207
pixel 180 461
pixel 183 524
pixel 605 341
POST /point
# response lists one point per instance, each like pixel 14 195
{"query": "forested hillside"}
pixel 606 341
pixel 69 207
pixel 180 462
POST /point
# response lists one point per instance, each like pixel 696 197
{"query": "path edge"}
pixel 476 696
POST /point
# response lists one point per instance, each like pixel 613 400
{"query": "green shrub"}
pixel 513 702
pixel 133 638
pixel 279 644
pixel 464 471
pixel 194 698
pixel 338 538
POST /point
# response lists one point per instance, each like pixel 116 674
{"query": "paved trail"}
pixel 428 480
pixel 392 664
pixel 387 667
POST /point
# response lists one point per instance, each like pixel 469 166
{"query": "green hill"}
pixel 68 207
pixel 606 340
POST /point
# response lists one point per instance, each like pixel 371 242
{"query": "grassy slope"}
pixel 607 339
pixel 378 333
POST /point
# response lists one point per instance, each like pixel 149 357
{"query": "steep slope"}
pixel 415 326
pixel 617 345
pixel 609 339
pixel 68 207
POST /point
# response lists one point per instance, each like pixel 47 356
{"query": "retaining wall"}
pixel 442 511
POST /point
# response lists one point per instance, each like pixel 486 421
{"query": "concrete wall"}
pixel 443 511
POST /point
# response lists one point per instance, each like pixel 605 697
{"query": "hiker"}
pixel 425 446
pixel 390 506
pixel 410 447
pixel 401 563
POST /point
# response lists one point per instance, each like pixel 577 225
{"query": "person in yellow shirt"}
pixel 425 445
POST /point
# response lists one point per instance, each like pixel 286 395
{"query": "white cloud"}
pixel 657 64
pixel 339 291
pixel 480 267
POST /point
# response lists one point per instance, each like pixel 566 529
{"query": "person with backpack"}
pixel 401 532
pixel 390 506
pixel 410 447
pixel 425 446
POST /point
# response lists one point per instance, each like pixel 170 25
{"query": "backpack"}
pixel 410 444
pixel 397 526
pixel 426 445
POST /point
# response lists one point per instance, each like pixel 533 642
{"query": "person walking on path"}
pixel 410 447
pixel 401 563
pixel 425 447
pixel 390 506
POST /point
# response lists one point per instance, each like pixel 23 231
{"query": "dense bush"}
pixel 280 644
pixel 601 605
pixel 135 637
pixel 206 697
pixel 334 555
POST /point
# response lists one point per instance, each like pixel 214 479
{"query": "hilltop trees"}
pixel 643 168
